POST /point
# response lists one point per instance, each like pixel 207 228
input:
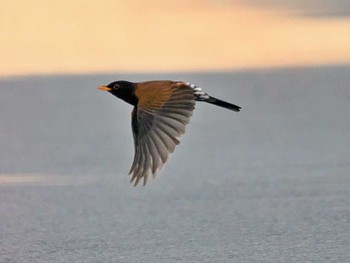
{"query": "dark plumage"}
pixel 161 111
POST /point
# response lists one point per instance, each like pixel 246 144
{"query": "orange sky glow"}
pixel 48 37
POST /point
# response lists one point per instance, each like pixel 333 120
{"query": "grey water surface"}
pixel 268 184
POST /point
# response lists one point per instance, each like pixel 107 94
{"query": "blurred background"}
pixel 118 35
pixel 268 184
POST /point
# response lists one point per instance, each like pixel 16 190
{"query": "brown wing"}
pixel 159 118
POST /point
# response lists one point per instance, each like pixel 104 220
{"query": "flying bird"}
pixel 162 108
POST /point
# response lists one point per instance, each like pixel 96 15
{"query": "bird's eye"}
pixel 116 86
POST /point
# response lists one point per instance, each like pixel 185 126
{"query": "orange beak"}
pixel 104 88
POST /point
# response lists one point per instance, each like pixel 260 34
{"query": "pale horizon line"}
pixel 168 71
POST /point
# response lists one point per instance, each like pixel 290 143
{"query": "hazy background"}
pixel 118 35
pixel 268 184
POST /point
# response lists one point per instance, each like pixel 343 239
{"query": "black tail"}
pixel 223 104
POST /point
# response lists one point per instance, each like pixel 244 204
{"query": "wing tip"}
pixel 137 177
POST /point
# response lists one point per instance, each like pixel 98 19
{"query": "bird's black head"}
pixel 122 89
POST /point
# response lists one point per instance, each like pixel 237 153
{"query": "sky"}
pixel 93 36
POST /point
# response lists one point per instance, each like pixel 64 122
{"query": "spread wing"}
pixel 159 118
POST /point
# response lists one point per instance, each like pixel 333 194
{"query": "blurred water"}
pixel 268 184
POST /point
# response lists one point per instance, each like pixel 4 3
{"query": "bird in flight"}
pixel 162 108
